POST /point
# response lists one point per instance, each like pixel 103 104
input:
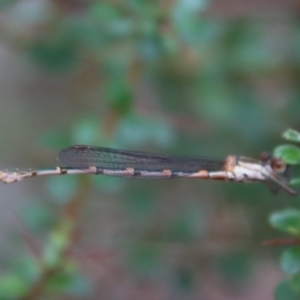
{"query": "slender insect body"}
pixel 105 161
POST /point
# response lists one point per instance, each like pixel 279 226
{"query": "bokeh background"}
pixel 194 77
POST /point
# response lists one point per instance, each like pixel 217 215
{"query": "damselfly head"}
pixel 278 173
pixel 278 165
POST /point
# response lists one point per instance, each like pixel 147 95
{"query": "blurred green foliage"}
pixel 290 261
pixel 285 291
pixel 169 76
pixel 290 153
pixel 288 220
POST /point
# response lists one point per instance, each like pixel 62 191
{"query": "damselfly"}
pixel 83 159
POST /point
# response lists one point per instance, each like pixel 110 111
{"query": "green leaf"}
pixel 292 135
pixel 285 291
pixel 12 287
pixel 295 283
pixel 287 220
pixel 295 181
pixel 290 153
pixel 58 242
pixel 290 261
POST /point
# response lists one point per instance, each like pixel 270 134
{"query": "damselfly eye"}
pixel 278 165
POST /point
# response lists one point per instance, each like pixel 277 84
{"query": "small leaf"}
pixel 290 153
pixel 285 291
pixel 295 181
pixel 290 261
pixel 295 283
pixel 292 135
pixel 12 287
pixel 287 220
pixel 58 242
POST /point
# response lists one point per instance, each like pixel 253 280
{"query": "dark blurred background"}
pixel 194 77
